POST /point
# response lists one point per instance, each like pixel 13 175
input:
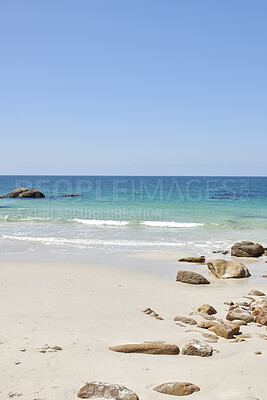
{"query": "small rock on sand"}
pixel 207 309
pixel 177 388
pixel 193 259
pixel 105 390
pixel 147 348
pixel 197 348
pixel 191 277
pixel 185 320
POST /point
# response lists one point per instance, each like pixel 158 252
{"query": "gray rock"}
pixel 185 320
pixel 197 348
pixel 191 277
pixel 247 249
pixel 227 269
pixel 240 314
pixel 105 390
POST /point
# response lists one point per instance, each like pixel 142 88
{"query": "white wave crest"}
pixel 101 222
pixel 171 224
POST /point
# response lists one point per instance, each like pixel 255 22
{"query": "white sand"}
pixel 86 308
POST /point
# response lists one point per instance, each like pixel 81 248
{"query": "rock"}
pixel 261 318
pixel 16 192
pixel 152 313
pixel 227 269
pixel 206 324
pixel 147 348
pixel 238 313
pixel 23 192
pixel 220 251
pixel 211 338
pixel 193 259
pixel 234 325
pixel 177 388
pixel 197 348
pixel 186 320
pixel 247 249
pixel 256 293
pixel 33 194
pixel 207 309
pixel 105 390
pixel 223 330
pixel 191 277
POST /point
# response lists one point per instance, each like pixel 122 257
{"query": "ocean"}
pixel 129 213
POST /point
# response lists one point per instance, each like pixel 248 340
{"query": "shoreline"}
pixel 85 308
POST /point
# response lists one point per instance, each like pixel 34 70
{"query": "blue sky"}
pixel 140 87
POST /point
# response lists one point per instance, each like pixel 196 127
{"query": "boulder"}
pixel 185 320
pixel 191 277
pixel 147 348
pixel 177 388
pixel 93 390
pixel 23 192
pixel 33 194
pixel 256 293
pixel 193 259
pixel 207 309
pixel 247 249
pixel 239 313
pixel 227 269
pixel 223 330
pixel 197 348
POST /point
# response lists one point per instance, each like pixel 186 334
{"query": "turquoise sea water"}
pixel 199 214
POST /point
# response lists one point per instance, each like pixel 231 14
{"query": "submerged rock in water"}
pixel 247 249
pixel 147 348
pixel 191 277
pixel 94 390
pixel 177 388
pixel 227 269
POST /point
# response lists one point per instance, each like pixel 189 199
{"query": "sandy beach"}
pixel 85 308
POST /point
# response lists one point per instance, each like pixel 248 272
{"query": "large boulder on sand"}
pixel 247 249
pixel 227 269
pixel 191 277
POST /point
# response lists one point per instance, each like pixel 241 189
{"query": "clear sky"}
pixel 137 87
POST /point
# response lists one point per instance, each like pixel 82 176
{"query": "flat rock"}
pixel 222 330
pixel 227 269
pixel 197 348
pixel 206 324
pixel 193 259
pixel 207 309
pixel 247 249
pixel 241 314
pixel 186 320
pixel 105 390
pixel 191 277
pixel 177 388
pixel 256 293
pixel 147 348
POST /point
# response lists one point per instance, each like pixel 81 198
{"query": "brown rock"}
pixel 261 318
pixel 246 249
pixel 197 348
pixel 222 330
pixel 185 320
pixel 147 348
pixel 238 313
pixel 256 293
pixel 177 388
pixel 211 338
pixel 235 326
pixel 207 309
pixel 206 324
pixel 227 269
pixel 191 277
pixel 105 390
pixel 193 259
